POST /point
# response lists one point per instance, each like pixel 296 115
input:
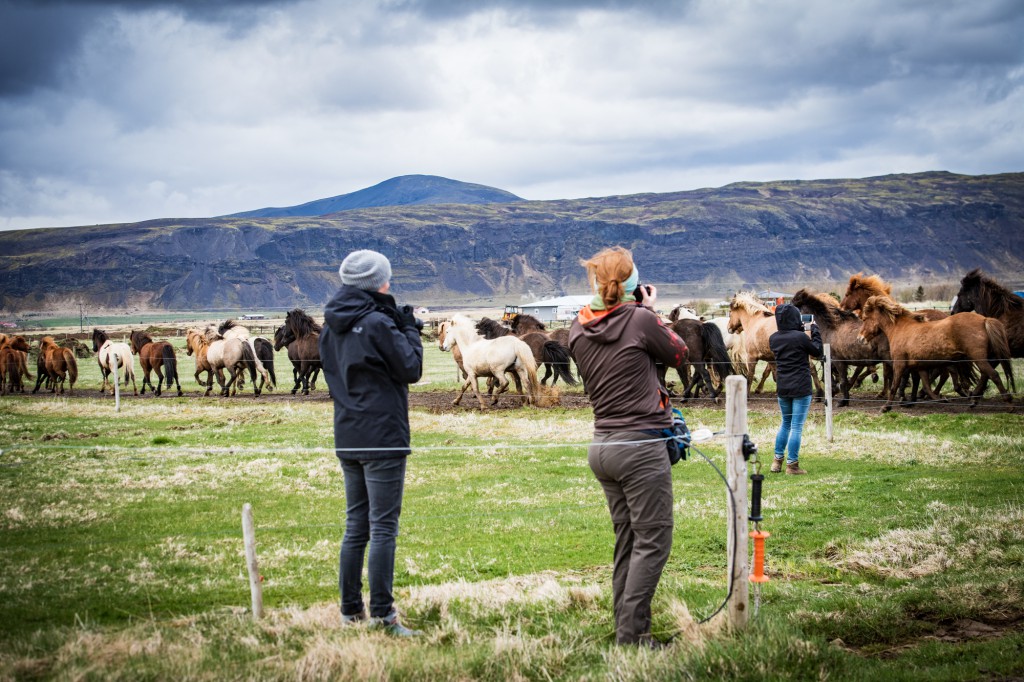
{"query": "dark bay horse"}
pixel 841 330
pixel 556 358
pixel 987 297
pixel 156 356
pixel 704 348
pixel 303 349
pixel 916 343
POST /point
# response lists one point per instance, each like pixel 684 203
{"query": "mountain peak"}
pixel 404 190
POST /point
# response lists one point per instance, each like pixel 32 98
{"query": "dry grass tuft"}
pixel 359 658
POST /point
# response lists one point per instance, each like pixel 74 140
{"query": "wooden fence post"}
pixel 828 392
pixel 255 586
pixel 736 474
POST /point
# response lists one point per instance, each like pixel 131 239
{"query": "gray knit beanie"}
pixel 365 269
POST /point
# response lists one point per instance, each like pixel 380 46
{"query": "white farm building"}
pixel 563 308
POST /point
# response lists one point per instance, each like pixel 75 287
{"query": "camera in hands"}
pixel 638 293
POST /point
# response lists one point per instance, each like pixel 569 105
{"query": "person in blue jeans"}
pixel 792 348
pixel 370 350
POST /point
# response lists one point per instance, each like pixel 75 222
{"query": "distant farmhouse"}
pixel 558 309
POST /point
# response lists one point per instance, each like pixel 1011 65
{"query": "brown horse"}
pixel 13 363
pixel 841 330
pixel 59 364
pixel 157 356
pixel 704 348
pixel 556 358
pixel 916 343
pixel 989 298
pixel 304 349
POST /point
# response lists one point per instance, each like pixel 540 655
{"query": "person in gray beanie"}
pixel 370 351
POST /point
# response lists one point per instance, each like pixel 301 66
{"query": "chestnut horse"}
pixel 989 298
pixel 195 344
pixel 110 357
pixel 442 333
pixel 916 343
pixel 491 357
pixel 156 356
pixel 58 363
pixel 13 363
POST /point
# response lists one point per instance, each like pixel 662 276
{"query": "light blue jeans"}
pixel 794 414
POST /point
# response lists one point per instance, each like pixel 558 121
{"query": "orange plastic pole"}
pixel 757 575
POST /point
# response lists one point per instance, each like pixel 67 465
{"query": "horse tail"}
pixel 23 365
pixel 715 350
pixel 250 360
pixel 72 366
pixel 999 349
pixel 170 363
pixel 525 356
pixel 558 355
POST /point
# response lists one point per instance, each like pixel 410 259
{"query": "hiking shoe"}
pixel 354 619
pixel 794 468
pixel 776 465
pixel 392 626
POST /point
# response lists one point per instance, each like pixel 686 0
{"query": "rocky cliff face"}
pixel 783 233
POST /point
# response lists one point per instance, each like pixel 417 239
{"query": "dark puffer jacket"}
pixel 369 358
pixel 791 347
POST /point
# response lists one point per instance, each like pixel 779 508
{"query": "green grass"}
pixel 122 558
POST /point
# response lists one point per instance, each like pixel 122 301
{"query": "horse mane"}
pixel 226 325
pixel 142 336
pixel 873 284
pixel 995 299
pixel 823 305
pixel 491 329
pixel 300 323
pixel 529 321
pixel 47 341
pixel 890 309
pixel 95 332
pixel 749 302
pixel 212 333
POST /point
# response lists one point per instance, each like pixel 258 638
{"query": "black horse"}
pixel 987 297
pixel 301 335
pixel 705 348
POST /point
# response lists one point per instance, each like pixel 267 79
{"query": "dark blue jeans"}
pixel 373 494
pixel 794 414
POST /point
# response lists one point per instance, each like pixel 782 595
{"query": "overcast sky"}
pixel 130 110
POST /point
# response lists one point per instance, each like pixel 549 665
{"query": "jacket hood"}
pixel 605 326
pixel 347 307
pixel 787 317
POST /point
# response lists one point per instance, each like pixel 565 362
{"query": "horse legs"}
pixel 770 369
pixel 296 375
pixel 988 372
pixel 502 387
pixel 159 380
pixel 465 385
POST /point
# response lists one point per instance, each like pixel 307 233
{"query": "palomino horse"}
pixel 13 363
pixel 916 343
pixel 219 353
pixel 57 363
pixel 304 349
pixel 554 356
pixel 156 356
pixel 748 315
pixel 987 297
pixel 841 330
pixel 110 357
pixel 229 329
pixel 491 357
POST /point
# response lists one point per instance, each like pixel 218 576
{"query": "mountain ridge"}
pixel 714 240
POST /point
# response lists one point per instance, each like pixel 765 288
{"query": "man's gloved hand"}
pixel 408 319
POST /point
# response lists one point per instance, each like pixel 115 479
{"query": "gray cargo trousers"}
pixel 637 481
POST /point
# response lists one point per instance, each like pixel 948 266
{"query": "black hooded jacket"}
pixel 369 358
pixel 791 347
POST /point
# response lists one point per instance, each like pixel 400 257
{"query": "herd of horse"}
pixel 867 330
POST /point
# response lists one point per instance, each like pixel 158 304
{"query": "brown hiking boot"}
pixel 776 465
pixel 794 468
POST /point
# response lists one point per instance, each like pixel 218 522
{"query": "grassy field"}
pixel 898 557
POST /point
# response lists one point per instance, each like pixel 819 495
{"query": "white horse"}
pixel 232 330
pixel 491 358
pixel 112 356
